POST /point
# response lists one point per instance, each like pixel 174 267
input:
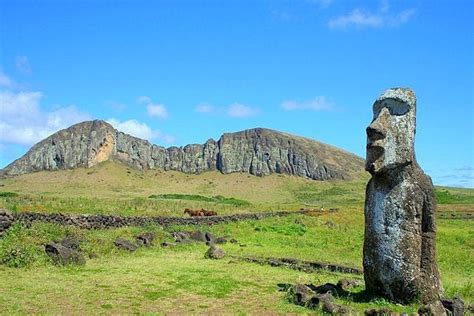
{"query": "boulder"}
pixel 125 244
pixel 379 312
pixel 72 242
pixel 345 284
pixel 168 244
pixel 434 308
pixel 221 240
pixel 63 255
pixel 145 239
pixel 6 220
pixel 214 253
pixel 326 288
pixel 454 307
pixel 301 294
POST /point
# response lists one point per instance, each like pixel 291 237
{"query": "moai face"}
pixel 391 134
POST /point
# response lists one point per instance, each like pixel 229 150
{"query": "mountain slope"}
pixel 256 151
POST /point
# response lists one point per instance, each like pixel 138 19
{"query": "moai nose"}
pixel 374 133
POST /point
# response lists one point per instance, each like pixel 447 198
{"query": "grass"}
pixel 195 197
pixel 454 196
pixel 179 280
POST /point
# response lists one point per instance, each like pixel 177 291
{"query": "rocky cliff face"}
pixel 256 151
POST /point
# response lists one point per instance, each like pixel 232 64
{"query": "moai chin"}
pixel 400 232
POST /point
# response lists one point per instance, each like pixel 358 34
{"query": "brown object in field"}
pixel 201 212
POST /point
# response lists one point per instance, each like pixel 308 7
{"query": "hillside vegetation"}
pixel 179 280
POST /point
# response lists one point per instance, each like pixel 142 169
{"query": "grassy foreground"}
pixel 179 280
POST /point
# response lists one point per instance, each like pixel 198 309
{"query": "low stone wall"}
pixel 300 265
pixel 112 221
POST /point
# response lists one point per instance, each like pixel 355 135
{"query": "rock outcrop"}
pixel 256 151
pixel 400 231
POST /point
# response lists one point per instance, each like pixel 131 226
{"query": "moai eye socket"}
pixel 395 107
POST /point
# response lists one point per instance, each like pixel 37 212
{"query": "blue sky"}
pixel 179 72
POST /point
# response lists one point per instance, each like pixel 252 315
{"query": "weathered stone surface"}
pixel 125 244
pixel 71 242
pixel 112 221
pixel 434 308
pixel 64 255
pixel 256 151
pixel 300 294
pixel 145 239
pixel 345 284
pixel 454 307
pixel 214 252
pixel 399 244
pixel 380 312
pixel 6 220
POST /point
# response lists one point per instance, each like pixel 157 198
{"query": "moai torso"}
pixel 399 244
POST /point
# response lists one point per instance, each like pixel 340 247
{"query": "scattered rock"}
pixel 72 242
pixel 125 244
pixel 180 236
pixel 63 255
pixel 145 239
pixel 221 240
pixel 6 220
pixel 300 294
pixel 214 253
pixel 379 312
pixel 345 284
pixel 433 309
pixel 194 235
pixel 326 288
pixel 454 307
pixel 470 308
pixel 168 244
pixel 233 241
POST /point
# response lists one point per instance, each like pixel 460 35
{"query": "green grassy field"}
pixel 179 280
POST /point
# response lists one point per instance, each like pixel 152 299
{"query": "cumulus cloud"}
pixel 154 109
pixel 23 65
pixel 140 130
pixel 316 104
pixel 235 110
pixel 240 111
pixel 6 82
pixel 455 177
pixel 366 19
pixel 205 108
pixel 23 122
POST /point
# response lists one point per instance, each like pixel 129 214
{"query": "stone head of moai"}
pixel 391 134
pixel 400 232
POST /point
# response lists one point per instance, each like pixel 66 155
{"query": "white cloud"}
pixel 6 82
pixel 153 109
pixel 23 65
pixel 205 108
pixel 240 111
pixel 366 19
pixel 454 177
pixel 23 122
pixel 140 130
pixel 357 18
pixel 316 104
pixel 235 110
pixel 157 110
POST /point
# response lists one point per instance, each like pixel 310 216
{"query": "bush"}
pixel 17 252
pixel 8 194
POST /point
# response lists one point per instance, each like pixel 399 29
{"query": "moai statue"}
pixel 400 232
